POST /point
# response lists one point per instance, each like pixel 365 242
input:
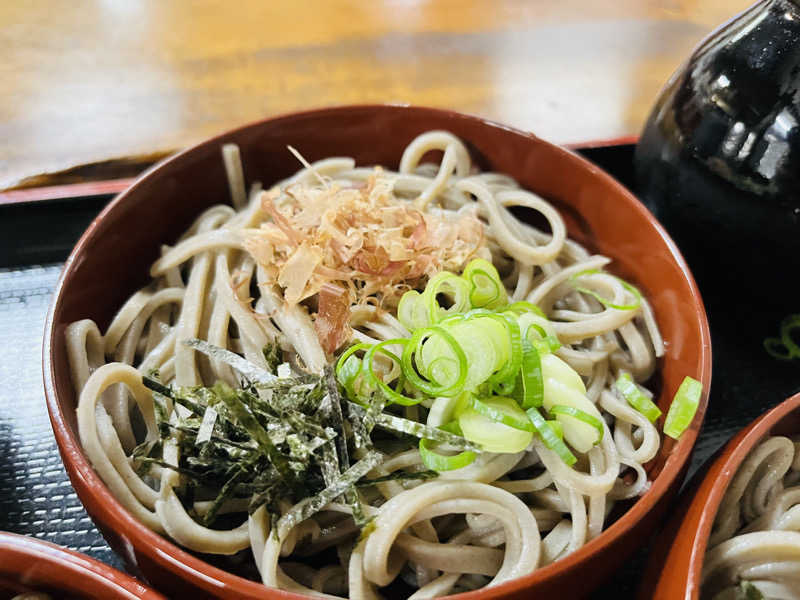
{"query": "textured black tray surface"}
pixel 36 497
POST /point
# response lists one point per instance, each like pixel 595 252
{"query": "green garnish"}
pixel 636 398
pixel 487 290
pixel 273 439
pixel 413 428
pixel 748 591
pixel 785 347
pixel 441 462
pixel 550 437
pixel 313 504
pixel 605 301
pixel 469 344
pixel 245 367
pixel 529 391
pixel 399 476
pixel 576 413
pixel 683 408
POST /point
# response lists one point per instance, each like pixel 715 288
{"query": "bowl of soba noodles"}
pixel 31 569
pixel 376 351
pixel 737 534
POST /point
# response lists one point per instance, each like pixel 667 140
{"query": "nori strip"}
pixel 420 430
pixel 249 423
pixel 337 421
pixel 309 506
pixel 245 367
pixel 399 476
pixel 273 356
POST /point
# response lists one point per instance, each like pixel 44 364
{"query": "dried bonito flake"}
pixel 354 242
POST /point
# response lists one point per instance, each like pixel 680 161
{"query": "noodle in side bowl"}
pixel 735 535
pixel 364 381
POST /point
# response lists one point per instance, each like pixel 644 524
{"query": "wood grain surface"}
pixel 97 89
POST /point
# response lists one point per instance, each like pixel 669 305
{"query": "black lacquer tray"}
pixel 36 497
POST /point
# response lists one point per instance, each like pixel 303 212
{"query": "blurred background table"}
pixel 96 89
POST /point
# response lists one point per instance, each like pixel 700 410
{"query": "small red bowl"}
pixel 112 258
pixel 674 570
pixel 28 565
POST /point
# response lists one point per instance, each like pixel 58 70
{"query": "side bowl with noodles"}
pixel 735 534
pixel 475 394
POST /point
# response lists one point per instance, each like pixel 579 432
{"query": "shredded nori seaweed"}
pixel 275 439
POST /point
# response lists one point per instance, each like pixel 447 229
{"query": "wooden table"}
pixel 96 89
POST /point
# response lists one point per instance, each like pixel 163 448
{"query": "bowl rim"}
pixel 709 491
pixel 170 556
pixel 18 552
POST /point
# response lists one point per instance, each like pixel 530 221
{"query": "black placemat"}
pixel 36 497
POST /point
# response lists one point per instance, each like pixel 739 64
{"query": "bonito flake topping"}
pixel 348 244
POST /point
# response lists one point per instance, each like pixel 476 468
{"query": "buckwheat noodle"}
pixel 756 533
pixel 497 519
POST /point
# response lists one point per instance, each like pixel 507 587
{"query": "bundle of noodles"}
pixel 257 399
pixel 754 548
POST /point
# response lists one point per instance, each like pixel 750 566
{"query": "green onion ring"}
pixel 577 413
pixel 626 386
pixel 391 395
pixel 604 301
pixel 343 376
pixel 531 378
pixel 524 306
pixel 458 288
pixel 439 462
pixel 683 408
pixel 550 438
pixel 499 416
pixel 789 324
pixel 414 345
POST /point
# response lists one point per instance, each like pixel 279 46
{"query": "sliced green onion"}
pixel 784 348
pixel 374 380
pixel 550 438
pixel 748 591
pixel 500 426
pixel 441 411
pixel 452 427
pixel 788 325
pixel 498 409
pixel 530 384
pixel 348 368
pixel 776 349
pixel 420 430
pixel 523 306
pixel 577 413
pixel 605 301
pixel 454 288
pixel 440 462
pixel 486 288
pixel 631 392
pixel 558 428
pixel 539 331
pixel 411 311
pixel 484 341
pixel 563 386
pixel 683 408
pixel 554 368
pixel 509 369
pixel 547 343
pixel 434 387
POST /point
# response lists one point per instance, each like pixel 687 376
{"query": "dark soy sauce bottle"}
pixel 718 164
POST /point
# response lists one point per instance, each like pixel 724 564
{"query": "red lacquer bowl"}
pixel 112 259
pixel 674 570
pixel 28 565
